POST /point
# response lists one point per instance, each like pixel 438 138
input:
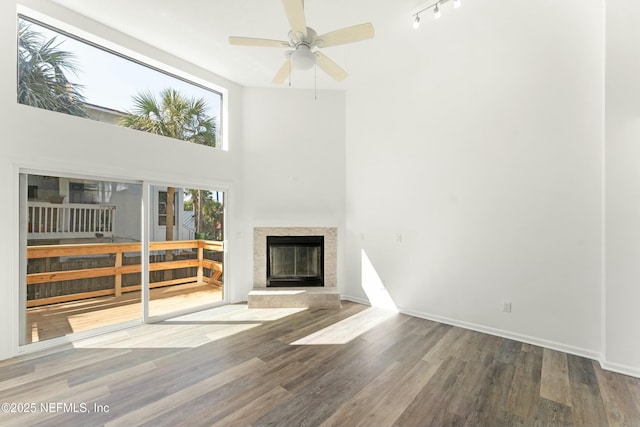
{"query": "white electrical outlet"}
pixel 399 237
pixel 506 306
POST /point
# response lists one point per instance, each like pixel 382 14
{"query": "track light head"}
pixel 437 13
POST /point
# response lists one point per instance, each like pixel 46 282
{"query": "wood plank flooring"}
pixel 234 366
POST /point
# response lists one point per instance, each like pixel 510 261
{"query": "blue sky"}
pixel 111 81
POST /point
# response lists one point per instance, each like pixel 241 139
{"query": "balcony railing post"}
pixel 118 277
pixel 200 278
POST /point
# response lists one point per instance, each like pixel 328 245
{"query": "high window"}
pixel 61 72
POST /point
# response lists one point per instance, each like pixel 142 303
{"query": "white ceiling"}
pixel 197 31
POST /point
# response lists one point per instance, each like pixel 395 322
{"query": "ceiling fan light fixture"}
pixel 436 12
pixel 416 22
pixel 302 58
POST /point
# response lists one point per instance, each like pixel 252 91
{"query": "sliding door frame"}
pixel 146 191
pixel 22 174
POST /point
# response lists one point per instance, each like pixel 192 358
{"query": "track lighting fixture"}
pixel 437 13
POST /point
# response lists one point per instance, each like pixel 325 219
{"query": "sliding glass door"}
pixel 82 259
pixel 81 247
pixel 186 253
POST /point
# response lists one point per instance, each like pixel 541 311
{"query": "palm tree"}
pixel 174 116
pixel 195 197
pixel 42 74
pixel 213 213
pixel 208 213
pixel 177 117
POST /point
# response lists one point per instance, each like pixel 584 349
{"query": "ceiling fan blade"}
pixel 282 73
pixel 346 35
pixel 331 68
pixel 250 41
pixel 295 13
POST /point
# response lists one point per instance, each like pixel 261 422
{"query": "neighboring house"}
pixel 67 209
pixel 189 224
pixel 158 230
pixel 103 114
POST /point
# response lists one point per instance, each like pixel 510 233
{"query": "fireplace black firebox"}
pixel 295 261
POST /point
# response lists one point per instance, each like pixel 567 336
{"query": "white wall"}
pixel 483 151
pixel 49 141
pixel 294 162
pixel 623 186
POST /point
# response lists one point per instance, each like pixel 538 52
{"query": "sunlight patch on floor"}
pixel 190 330
pixel 348 329
pixel 238 313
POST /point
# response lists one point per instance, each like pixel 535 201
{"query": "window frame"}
pixel 138 58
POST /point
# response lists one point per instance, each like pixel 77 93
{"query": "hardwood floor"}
pixel 356 366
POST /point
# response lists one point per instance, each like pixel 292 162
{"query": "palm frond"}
pixel 42 73
pixel 172 115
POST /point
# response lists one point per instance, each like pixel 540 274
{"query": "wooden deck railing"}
pixel 118 269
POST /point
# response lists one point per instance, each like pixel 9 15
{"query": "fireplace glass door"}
pixel 295 260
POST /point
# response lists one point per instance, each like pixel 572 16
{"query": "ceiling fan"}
pixel 303 47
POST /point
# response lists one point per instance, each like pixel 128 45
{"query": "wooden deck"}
pixel 354 366
pixel 56 320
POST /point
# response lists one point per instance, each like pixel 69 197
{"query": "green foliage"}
pixel 42 74
pixel 209 213
pixel 172 115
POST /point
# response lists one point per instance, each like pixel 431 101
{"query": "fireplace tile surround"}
pixel 313 297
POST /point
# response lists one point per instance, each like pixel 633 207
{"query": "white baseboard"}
pixel 620 368
pixel 354 299
pixel 553 345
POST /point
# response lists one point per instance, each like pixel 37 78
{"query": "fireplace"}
pixel 295 261
pixel 294 267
